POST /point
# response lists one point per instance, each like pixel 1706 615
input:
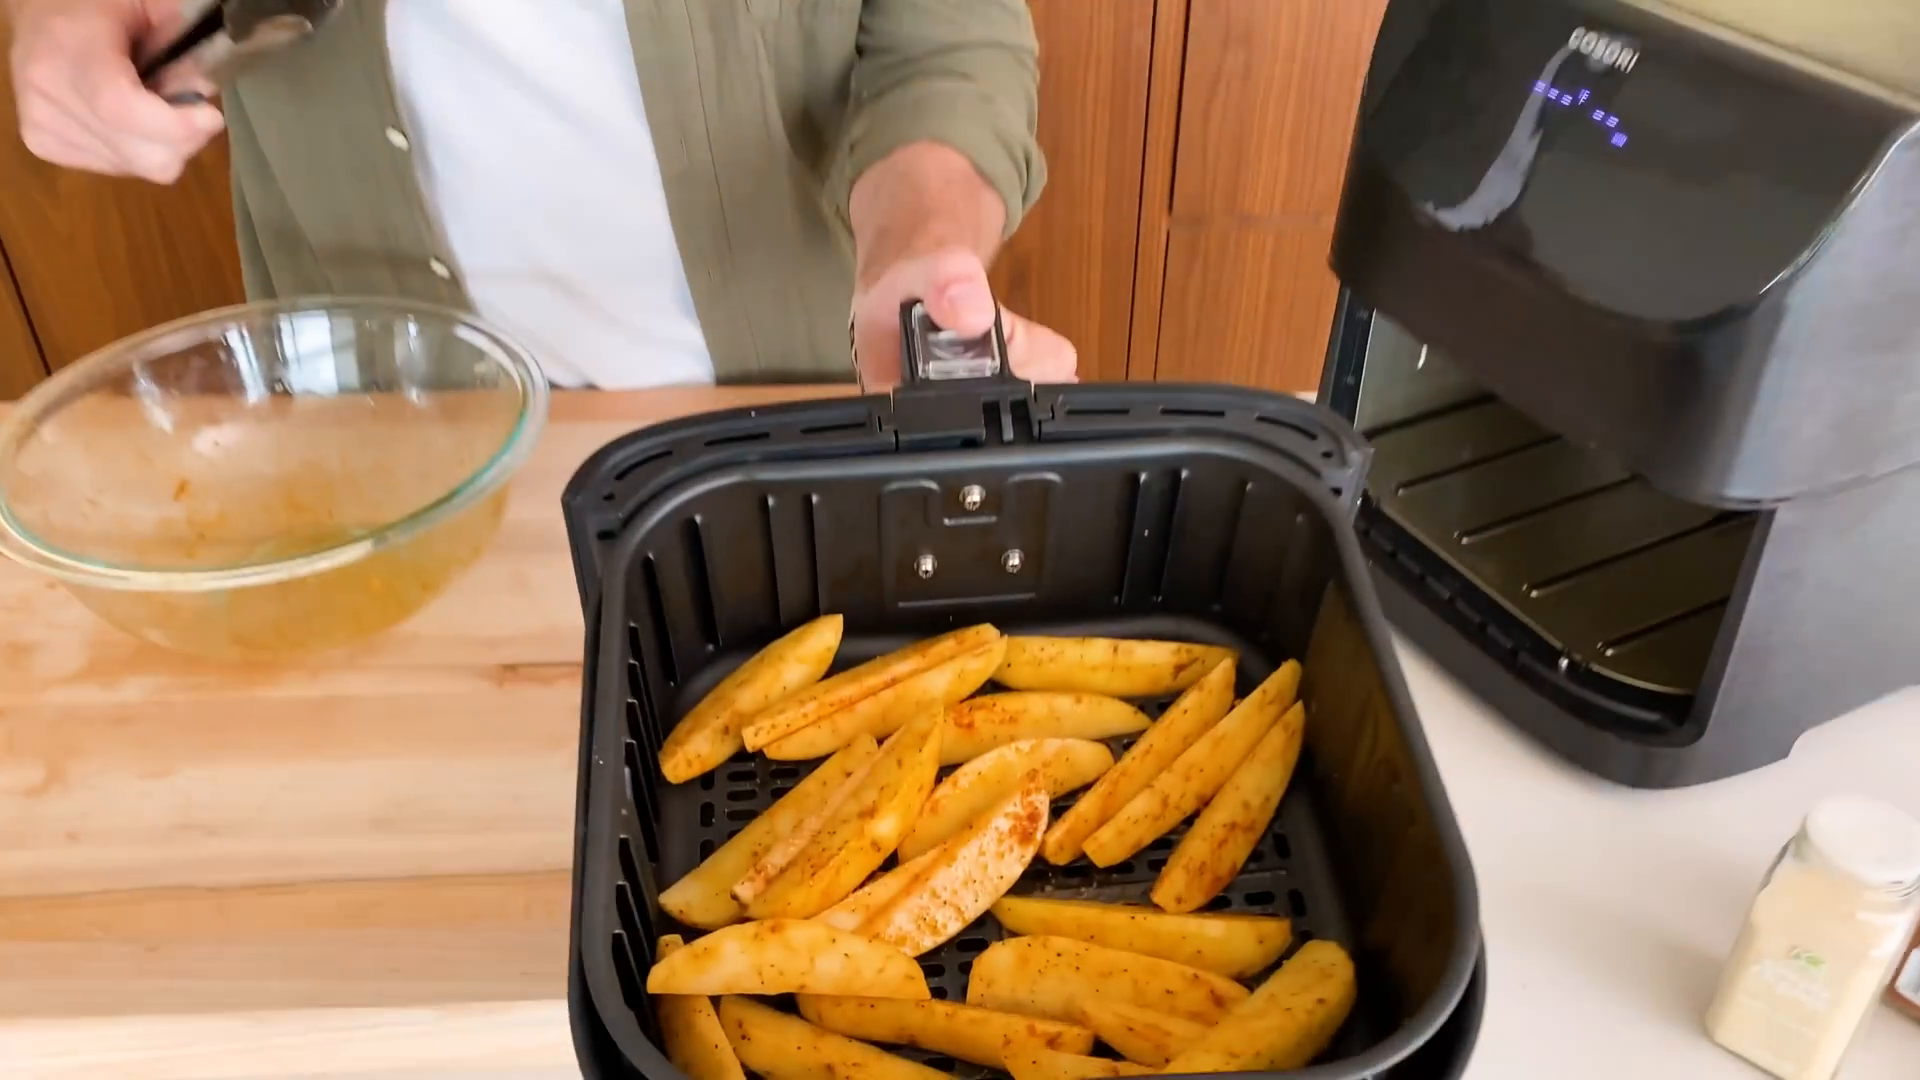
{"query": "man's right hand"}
pixel 80 99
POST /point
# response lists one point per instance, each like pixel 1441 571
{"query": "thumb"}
pixel 957 295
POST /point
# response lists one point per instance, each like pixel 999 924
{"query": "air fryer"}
pixel 1631 317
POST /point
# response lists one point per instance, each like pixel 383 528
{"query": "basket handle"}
pixel 931 355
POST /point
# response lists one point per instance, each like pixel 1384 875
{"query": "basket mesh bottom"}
pixel 1288 874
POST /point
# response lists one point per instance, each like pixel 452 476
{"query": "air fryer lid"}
pixel 1657 229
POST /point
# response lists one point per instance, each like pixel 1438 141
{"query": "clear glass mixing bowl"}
pixel 271 478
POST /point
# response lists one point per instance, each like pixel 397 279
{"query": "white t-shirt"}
pixel 535 157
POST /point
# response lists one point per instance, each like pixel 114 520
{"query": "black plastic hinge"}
pixel 957 392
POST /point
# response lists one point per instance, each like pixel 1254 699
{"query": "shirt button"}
pixel 440 270
pixel 398 138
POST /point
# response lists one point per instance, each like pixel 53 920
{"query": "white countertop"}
pixel 1607 911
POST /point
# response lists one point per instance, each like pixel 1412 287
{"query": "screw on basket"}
pixel 925 566
pixel 973 496
pixel 1013 560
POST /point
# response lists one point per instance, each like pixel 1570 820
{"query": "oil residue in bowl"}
pixel 210 486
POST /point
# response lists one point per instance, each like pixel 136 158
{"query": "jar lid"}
pixel 1874 842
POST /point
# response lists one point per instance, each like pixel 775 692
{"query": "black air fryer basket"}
pixel 1201 513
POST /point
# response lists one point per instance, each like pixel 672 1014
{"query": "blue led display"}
pixel 1601 117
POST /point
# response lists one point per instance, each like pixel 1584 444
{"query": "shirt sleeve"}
pixel 965 73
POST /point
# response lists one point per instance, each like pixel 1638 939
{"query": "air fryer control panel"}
pixel 1653 173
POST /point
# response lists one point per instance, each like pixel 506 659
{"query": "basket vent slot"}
pixel 700 582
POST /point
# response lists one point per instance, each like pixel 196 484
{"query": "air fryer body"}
pixel 1631 314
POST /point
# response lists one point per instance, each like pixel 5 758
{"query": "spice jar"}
pixel 1831 920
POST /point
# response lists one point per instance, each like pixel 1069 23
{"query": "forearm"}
pixel 922 198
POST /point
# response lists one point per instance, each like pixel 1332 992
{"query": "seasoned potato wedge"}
pixel 1211 854
pixel 836 692
pixel 1196 775
pixel 1143 1036
pixel 972 789
pixel 1051 976
pixel 784 850
pixel 691 1029
pixel 944 1027
pixel 780 1046
pixel 848 914
pixel 882 714
pixel 703 897
pixel 863 832
pixel 1236 946
pixel 1188 718
pixel 1043 1064
pixel 706 737
pixel 1287 1023
pixel 966 874
pixel 787 956
pixel 977 726
pixel 1119 667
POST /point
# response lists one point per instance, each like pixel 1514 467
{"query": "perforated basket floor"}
pixel 1289 874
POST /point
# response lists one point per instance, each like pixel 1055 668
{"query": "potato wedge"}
pixel 706 737
pixel 1196 775
pixel 976 787
pixel 784 850
pixel 780 1046
pixel 848 914
pixel 1286 1023
pixel 787 956
pixel 1236 946
pixel 882 714
pixel 977 726
pixel 702 898
pixel 1118 667
pixel 1189 717
pixel 691 1029
pixel 1142 1036
pixel 966 874
pixel 1051 976
pixel 863 832
pixel 836 692
pixel 981 1036
pixel 1210 856
pixel 1043 1064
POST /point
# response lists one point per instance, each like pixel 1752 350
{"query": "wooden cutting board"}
pixel 445 747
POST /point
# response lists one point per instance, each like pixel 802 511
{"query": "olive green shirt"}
pixel 763 113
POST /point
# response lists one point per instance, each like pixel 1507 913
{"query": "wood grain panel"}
pixel 1247 306
pixel 99 258
pixel 20 363
pixel 1071 264
pixel 1268 108
pixel 323 945
pixel 1156 184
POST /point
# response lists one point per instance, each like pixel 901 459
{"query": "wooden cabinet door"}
pixel 20 362
pixel 96 258
pixel 1267 102
pixel 1071 264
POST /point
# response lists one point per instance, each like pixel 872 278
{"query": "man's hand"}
pixel 81 102
pixel 925 225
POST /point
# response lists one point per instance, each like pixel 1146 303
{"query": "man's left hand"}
pixel 952 282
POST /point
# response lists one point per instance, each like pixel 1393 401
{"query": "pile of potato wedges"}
pixel 875 859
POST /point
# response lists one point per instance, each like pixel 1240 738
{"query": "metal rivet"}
pixel 1012 561
pixel 925 566
pixel 440 270
pixel 972 496
pixel 398 138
